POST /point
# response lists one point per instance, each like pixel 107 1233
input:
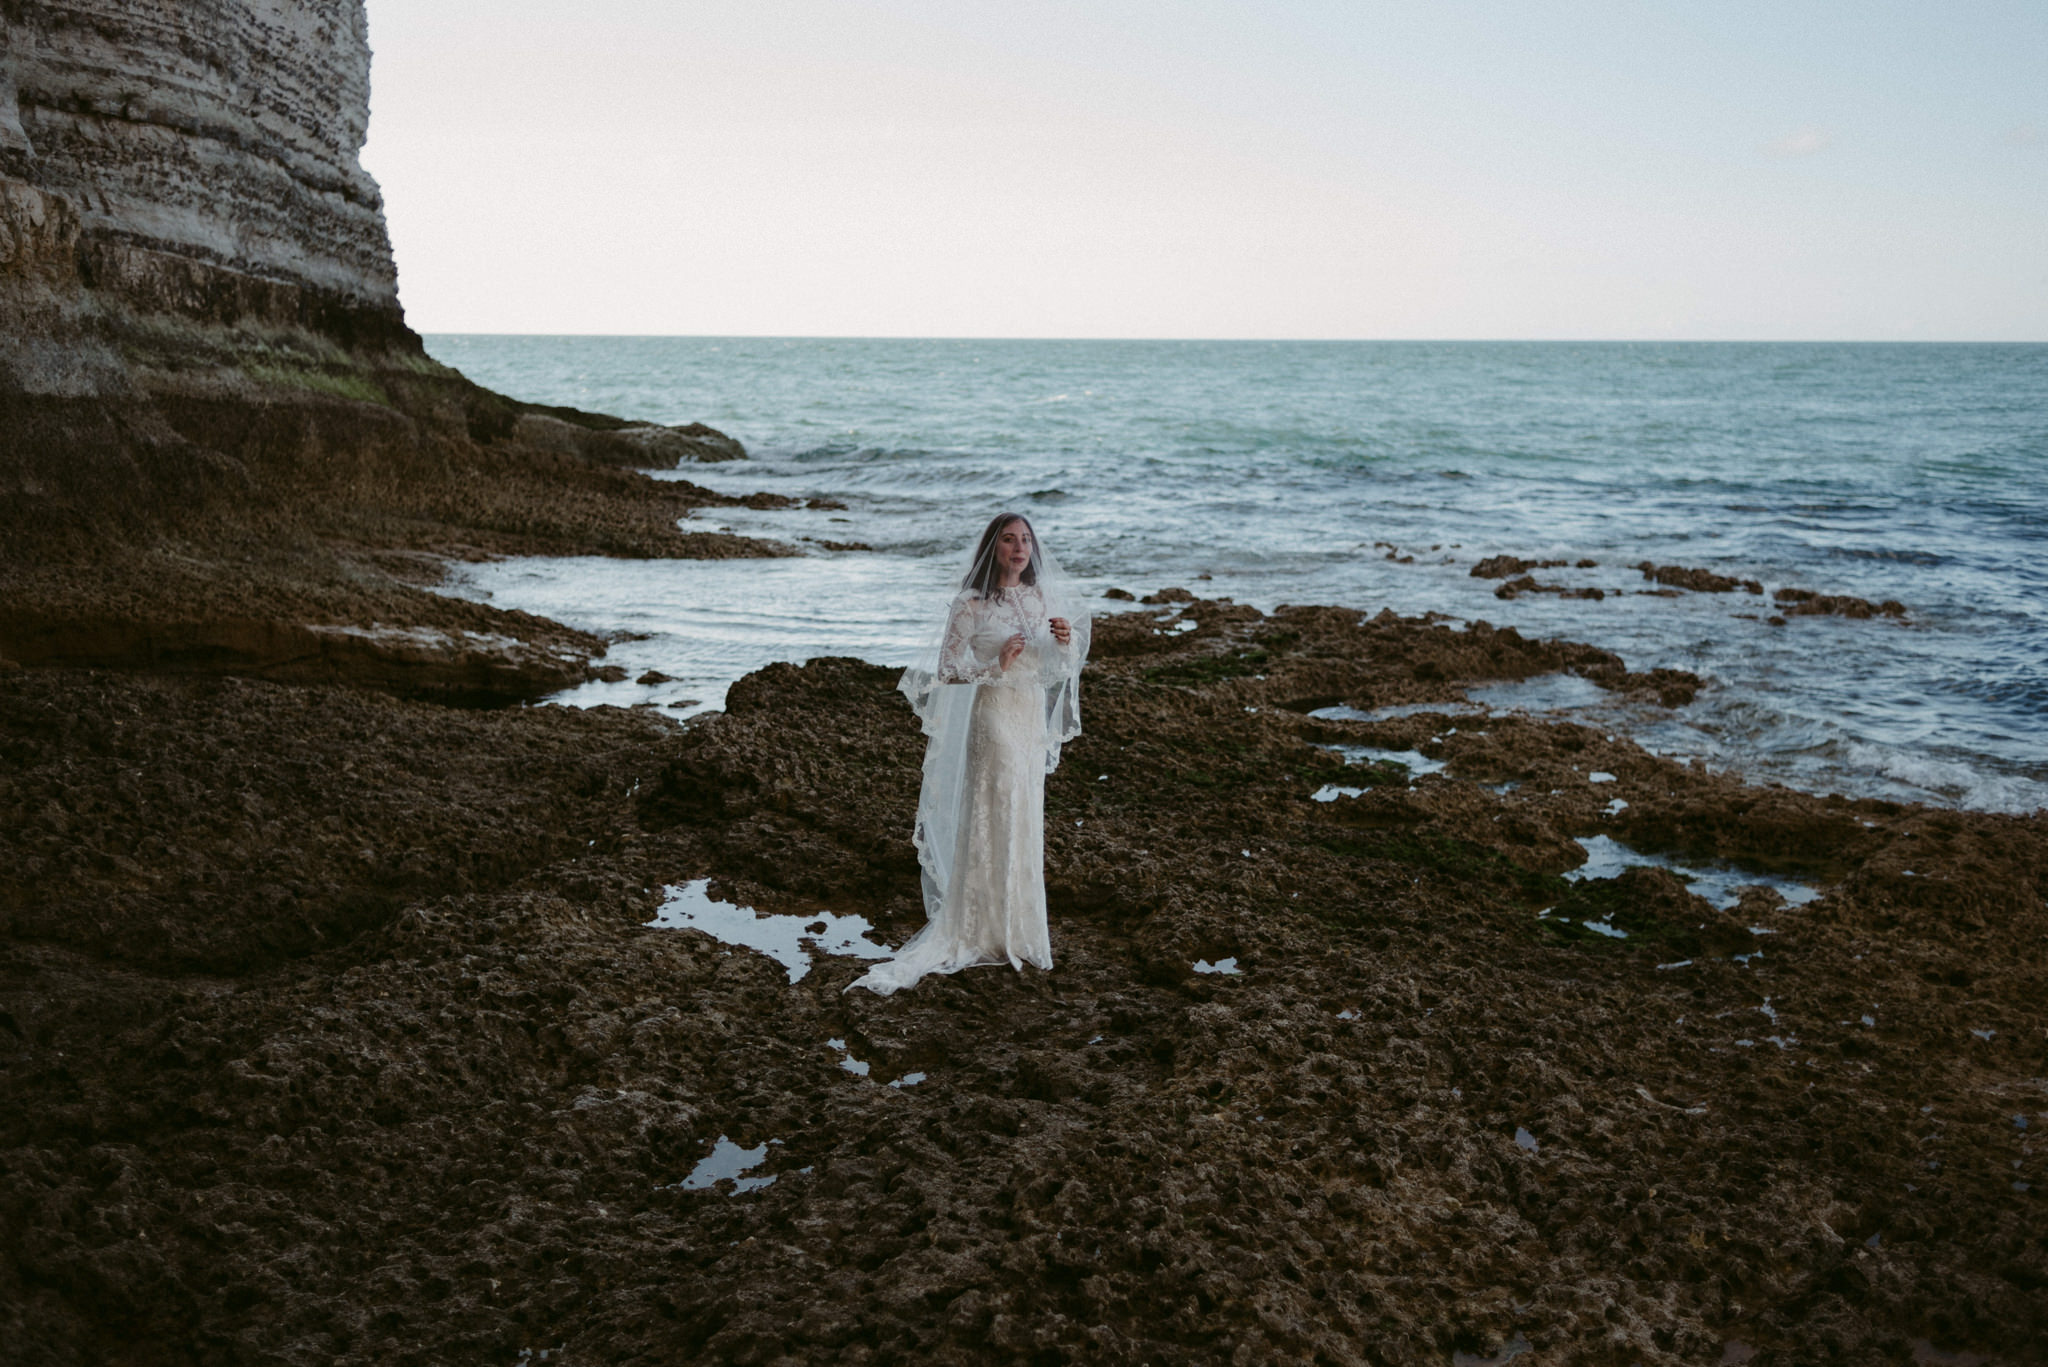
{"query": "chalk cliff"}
pixel 195 162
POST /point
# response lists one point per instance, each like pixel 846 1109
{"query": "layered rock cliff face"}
pixel 219 132
pixel 209 397
pixel 175 170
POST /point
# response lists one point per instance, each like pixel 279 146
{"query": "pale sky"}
pixel 1210 168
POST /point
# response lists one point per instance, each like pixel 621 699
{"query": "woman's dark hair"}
pixel 984 576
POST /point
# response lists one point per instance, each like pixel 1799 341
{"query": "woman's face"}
pixel 1013 548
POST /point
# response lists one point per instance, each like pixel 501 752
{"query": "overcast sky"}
pixel 1196 168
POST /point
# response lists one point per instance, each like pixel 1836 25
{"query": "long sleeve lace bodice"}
pixel 977 628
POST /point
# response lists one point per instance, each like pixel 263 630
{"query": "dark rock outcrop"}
pixel 1697 580
pixel 1515 588
pixel 597 436
pixel 196 279
pixel 1811 603
pixel 1506 566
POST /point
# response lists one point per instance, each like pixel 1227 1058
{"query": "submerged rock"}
pixel 1697 580
pixel 1527 584
pixel 1507 566
pixel 1810 603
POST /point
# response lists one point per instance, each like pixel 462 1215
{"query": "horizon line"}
pixel 1375 341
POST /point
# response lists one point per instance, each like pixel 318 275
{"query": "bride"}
pixel 998 692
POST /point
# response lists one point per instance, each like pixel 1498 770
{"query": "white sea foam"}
pixel 1542 693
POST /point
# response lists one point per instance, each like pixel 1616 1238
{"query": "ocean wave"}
pixel 1903 557
pixel 1870 471
pixel 1961 783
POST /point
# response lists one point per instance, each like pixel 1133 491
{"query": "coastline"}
pixel 354 1011
pixel 1382 475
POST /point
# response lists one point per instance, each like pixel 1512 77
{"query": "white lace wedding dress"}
pixel 981 818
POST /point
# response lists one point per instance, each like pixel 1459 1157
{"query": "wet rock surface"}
pixel 333 1032
pixel 1514 588
pixel 1511 566
pixel 308 547
pixel 644 445
pixel 1696 580
pixel 1811 603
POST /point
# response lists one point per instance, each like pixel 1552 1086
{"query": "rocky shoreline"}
pixel 301 583
pixel 334 1032
pixel 333 1027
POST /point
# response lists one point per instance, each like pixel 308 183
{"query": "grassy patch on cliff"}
pixel 340 384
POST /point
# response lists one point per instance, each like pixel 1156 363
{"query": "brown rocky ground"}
pixel 293 534
pixel 332 1032
pixel 204 469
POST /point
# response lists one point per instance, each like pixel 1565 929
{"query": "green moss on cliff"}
pixel 341 384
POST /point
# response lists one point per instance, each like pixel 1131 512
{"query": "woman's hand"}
pixel 1061 630
pixel 1012 648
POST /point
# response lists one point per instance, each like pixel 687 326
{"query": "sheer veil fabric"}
pixel 992 735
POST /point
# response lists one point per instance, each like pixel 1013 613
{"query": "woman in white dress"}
pixel 998 692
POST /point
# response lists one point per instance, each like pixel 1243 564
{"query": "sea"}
pixel 1375 475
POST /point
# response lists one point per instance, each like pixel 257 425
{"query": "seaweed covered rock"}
pixel 1315 1075
pixel 1696 580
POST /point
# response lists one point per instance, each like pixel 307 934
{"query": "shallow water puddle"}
pixel 849 1062
pixel 1607 857
pixel 727 1161
pixel 1226 966
pixel 1513 1348
pixel 789 940
pixel 862 1068
pixel 1607 928
pixel 1414 761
